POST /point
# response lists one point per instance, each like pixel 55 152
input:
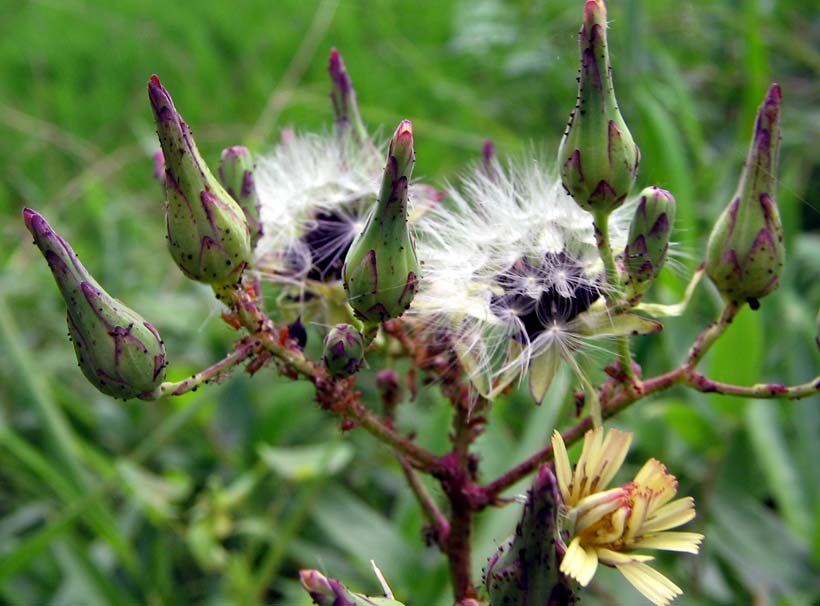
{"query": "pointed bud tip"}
pixel 235 151
pixel 595 13
pixel 405 129
pixel 158 96
pixel 29 217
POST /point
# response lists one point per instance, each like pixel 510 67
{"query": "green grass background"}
pixel 183 501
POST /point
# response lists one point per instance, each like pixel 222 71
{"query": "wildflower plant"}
pixel 525 267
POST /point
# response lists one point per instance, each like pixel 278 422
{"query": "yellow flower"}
pixel 607 526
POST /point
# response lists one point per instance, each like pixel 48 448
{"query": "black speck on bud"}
pixel 648 242
pixel 343 350
pixel 745 255
pixel 598 158
pixel 120 353
pixel 208 235
pixel 381 270
pixel 236 176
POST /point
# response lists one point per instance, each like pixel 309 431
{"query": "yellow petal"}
pixel 579 562
pixel 584 468
pixel 688 542
pixel 653 475
pixel 651 583
pixel 563 471
pixel 615 448
pixel 671 515
pixel 617 558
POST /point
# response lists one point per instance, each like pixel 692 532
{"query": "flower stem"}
pixel 708 337
pixel 612 292
pixel 242 350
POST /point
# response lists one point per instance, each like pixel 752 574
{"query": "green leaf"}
pixel 302 463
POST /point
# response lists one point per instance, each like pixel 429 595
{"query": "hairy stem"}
pixel 242 350
pixel 708 337
pixel 439 522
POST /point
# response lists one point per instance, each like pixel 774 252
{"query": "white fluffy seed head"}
pixel 515 221
pixel 305 177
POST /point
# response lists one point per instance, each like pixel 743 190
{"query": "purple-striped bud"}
pixel 207 232
pixel 648 242
pixel 120 353
pixel 745 254
pixel 343 353
pixel 330 592
pixel 343 97
pixel 524 570
pixel 598 158
pixel 236 176
pixel 381 270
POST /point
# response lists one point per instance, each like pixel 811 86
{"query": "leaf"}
pixel 302 463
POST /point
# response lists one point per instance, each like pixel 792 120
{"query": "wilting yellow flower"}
pixel 607 526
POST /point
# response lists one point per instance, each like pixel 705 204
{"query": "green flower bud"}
pixel 236 176
pixel 343 350
pixel 119 352
pixel 381 270
pixel 598 158
pixel 207 232
pixel 648 242
pixel 330 592
pixel 745 254
pixel 524 570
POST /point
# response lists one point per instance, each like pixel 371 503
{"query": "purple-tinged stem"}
pixel 242 350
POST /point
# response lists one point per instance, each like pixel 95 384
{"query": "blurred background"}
pixel 220 496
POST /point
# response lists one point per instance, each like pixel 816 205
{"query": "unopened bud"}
pixel 524 570
pixel 343 350
pixel 119 352
pixel 745 254
pixel 330 592
pixel 236 176
pixel 343 97
pixel 648 242
pixel 207 232
pixel 388 386
pixel 598 158
pixel 381 269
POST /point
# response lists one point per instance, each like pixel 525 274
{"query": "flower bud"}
pixel 745 253
pixel 119 352
pixel 236 176
pixel 343 97
pixel 330 592
pixel 648 242
pixel 207 232
pixel 381 269
pixel 343 350
pixel 524 570
pixel 598 158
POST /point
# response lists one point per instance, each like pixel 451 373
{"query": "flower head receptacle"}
pixel 208 235
pixel 745 255
pixel 608 525
pixel 648 243
pixel 120 353
pixel 381 270
pixel 598 158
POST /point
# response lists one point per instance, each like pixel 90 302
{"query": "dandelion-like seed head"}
pixel 512 273
pixel 315 192
pixel 606 526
